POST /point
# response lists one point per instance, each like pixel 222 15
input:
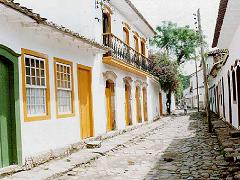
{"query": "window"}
pixel 64 88
pixel 234 86
pixel 35 85
pixel 126 35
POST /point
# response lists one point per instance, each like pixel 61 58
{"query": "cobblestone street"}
pixel 177 147
pixel 180 149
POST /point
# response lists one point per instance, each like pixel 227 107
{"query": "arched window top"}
pixel 107 9
pixel 138 83
pixel 145 85
pixel 128 80
pixel 110 75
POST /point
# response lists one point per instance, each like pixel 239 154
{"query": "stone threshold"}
pixel 61 153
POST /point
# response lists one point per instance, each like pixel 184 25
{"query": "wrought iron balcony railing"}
pixel 124 52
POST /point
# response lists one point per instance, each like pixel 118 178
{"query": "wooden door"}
pixel 85 101
pixel 128 117
pixel 137 104
pixel 160 104
pixel 6 131
pixel 145 107
pixel 110 106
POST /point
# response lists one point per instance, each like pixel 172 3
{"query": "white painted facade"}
pixel 190 94
pixel 220 87
pixel 41 136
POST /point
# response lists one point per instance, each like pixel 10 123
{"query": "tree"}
pixel 167 72
pixel 179 41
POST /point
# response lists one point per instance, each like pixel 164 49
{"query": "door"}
pixel 110 106
pixel 238 92
pixel 138 105
pixel 85 101
pixel 160 104
pixel 229 99
pixel 6 108
pixel 128 106
pixel 145 107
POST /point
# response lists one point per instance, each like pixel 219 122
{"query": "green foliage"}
pixel 167 72
pixel 185 81
pixel 180 41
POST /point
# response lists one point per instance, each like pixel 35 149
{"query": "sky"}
pixel 181 12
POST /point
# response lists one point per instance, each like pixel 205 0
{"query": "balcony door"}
pixel 126 36
pixel 136 43
pixel 143 48
pixel 106 23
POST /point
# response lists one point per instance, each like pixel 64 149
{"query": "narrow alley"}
pixel 172 148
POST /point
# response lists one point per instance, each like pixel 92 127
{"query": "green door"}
pixel 5 114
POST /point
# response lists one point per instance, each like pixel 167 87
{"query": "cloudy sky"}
pixel 181 12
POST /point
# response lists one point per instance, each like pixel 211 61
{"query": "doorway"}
pixel 238 92
pixel 138 105
pixel 145 106
pixel 128 108
pixel 8 141
pixel 229 99
pixel 110 105
pixel 160 104
pixel 85 100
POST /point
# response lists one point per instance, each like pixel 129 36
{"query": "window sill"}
pixel 62 116
pixel 36 118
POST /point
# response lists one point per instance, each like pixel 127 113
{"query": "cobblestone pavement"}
pixel 181 149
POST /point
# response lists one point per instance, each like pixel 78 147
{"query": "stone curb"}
pixel 61 153
pixel 230 145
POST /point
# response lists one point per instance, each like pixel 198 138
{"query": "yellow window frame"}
pixel 48 111
pixel 63 61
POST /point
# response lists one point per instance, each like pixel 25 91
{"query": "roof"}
pixel 219 23
pixel 41 20
pixel 140 15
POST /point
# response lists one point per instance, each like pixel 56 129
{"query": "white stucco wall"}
pixel 223 73
pixel 40 136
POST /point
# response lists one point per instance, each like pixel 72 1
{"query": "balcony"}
pixel 122 55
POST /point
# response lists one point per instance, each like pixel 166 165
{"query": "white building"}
pixel 191 94
pixel 224 64
pixel 75 70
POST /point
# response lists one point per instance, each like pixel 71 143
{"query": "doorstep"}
pixel 62 160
